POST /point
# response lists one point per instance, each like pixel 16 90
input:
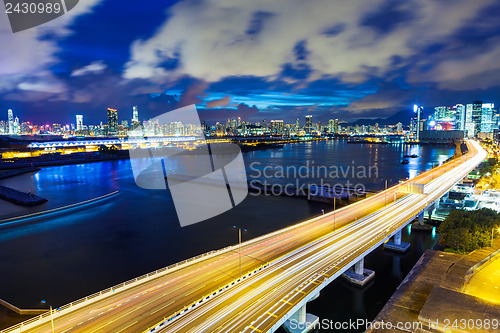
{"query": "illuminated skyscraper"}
pixel 460 117
pixel 112 121
pixel 16 126
pixel 308 126
pixel 417 122
pixel 79 122
pixel 11 121
pixel 135 115
pixel 477 113
pixel 297 125
pixel 277 127
pixel 489 118
pixel 468 123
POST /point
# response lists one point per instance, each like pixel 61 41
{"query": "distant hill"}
pixel 399 117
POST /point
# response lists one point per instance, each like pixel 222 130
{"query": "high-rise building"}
pixel 477 113
pixel 112 121
pixel 79 122
pixel 11 121
pixel 460 117
pixel 489 118
pixel 135 115
pixel 297 125
pixel 468 123
pixel 417 122
pixel 308 126
pixel 16 126
pixel 330 126
pixel 336 126
pixel 277 127
pixel 399 128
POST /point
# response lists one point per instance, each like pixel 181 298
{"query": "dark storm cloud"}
pixel 388 17
pixel 334 30
pixel 300 50
pixel 257 22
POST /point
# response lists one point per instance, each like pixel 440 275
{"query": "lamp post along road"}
pixel 385 195
pixel 239 244
pixel 52 319
pixel 492 235
pixel 334 213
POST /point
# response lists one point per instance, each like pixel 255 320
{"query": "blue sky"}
pixel 253 59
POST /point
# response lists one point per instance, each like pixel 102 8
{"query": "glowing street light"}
pixel 492 234
pixel 51 317
pixel 239 233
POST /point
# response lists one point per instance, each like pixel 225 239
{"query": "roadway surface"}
pixel 300 258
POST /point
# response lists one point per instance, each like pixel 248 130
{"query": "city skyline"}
pixel 384 58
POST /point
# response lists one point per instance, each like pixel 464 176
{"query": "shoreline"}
pixel 6 223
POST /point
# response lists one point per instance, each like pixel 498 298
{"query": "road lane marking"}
pixel 123 329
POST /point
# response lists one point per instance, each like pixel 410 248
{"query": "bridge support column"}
pixel 421 217
pixel 358 274
pixel 430 210
pixel 420 226
pixel 436 203
pixel 396 244
pixel 301 321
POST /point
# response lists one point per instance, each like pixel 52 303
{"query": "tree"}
pixel 468 230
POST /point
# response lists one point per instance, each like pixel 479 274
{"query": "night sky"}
pixel 256 59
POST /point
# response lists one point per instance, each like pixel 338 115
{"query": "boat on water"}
pixel 405 161
pixel 411 156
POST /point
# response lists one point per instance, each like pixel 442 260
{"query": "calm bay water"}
pixel 63 257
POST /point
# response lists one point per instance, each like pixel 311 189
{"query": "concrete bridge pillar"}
pixel 397 238
pixel 301 321
pixel 430 210
pixel 436 203
pixel 300 315
pixel 358 274
pixel 396 244
pixel 421 218
pixel 359 267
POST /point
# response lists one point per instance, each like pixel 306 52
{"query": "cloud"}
pixel 351 40
pixel 95 67
pixel 27 55
pixel 219 102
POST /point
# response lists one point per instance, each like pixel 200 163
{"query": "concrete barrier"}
pixel 22 311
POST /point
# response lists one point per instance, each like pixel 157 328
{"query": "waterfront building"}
pixel 308 126
pixel 489 118
pixel 11 121
pixel 417 122
pixel 112 121
pixel 277 127
pixel 79 122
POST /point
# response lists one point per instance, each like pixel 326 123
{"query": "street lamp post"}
pixel 239 242
pixel 492 234
pixel 385 195
pixel 51 317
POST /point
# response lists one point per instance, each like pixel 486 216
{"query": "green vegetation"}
pixel 466 231
pixel 489 166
